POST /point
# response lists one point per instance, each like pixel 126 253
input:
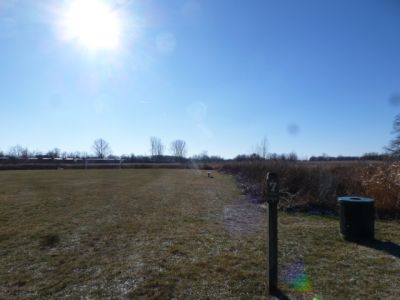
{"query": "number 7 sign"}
pixel 272 188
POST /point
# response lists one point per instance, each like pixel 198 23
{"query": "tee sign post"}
pixel 272 200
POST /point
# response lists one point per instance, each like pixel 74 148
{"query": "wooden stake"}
pixel 272 199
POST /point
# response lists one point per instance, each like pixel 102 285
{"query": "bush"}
pixel 307 185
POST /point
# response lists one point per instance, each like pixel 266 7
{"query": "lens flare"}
pixel 301 283
pixel 298 280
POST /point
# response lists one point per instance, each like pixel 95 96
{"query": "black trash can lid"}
pixel 355 199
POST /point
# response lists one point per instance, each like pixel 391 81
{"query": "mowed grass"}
pixel 164 234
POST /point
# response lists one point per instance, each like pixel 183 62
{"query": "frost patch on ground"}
pixel 244 217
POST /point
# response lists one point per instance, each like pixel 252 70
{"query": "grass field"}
pixel 163 234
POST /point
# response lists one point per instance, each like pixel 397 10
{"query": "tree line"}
pixel 102 150
pixel 178 152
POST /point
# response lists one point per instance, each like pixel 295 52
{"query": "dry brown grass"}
pixel 382 182
pixel 122 233
pixel 163 234
pixel 311 184
pixel 336 269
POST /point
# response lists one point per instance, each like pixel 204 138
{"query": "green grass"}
pixel 157 234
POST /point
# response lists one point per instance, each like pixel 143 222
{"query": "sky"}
pixel 312 76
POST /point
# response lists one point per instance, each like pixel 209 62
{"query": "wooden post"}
pixel 272 199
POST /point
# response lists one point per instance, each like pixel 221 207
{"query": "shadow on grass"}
pixel 280 295
pixel 388 247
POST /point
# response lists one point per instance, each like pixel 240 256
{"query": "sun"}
pixel 94 24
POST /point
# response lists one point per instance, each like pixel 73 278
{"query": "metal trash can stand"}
pixel 357 218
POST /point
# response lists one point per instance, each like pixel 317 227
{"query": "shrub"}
pixel 318 184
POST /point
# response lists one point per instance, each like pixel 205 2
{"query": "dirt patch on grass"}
pixel 244 217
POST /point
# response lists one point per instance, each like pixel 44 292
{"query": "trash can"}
pixel 357 218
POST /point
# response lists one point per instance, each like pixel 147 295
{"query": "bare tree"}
pixel 178 148
pixel 101 148
pixel 292 156
pixel 394 146
pixel 203 156
pixel 55 153
pixel 64 155
pixel 18 152
pixel 262 148
pixel 156 147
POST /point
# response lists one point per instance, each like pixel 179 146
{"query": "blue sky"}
pixel 313 76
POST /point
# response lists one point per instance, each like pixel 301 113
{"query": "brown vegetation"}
pixel 310 185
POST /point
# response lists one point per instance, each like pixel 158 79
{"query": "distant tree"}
pixel 394 146
pixel 101 148
pixel 262 148
pixel 140 158
pixel 35 154
pixel 75 154
pixel 125 157
pixel 240 157
pixel 292 156
pixel 255 156
pixel 374 156
pixel 215 158
pixel 18 152
pixel 178 148
pixel 55 153
pixel 203 156
pixel 156 147
pixel 273 156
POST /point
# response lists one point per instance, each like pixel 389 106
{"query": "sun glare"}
pixel 93 23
